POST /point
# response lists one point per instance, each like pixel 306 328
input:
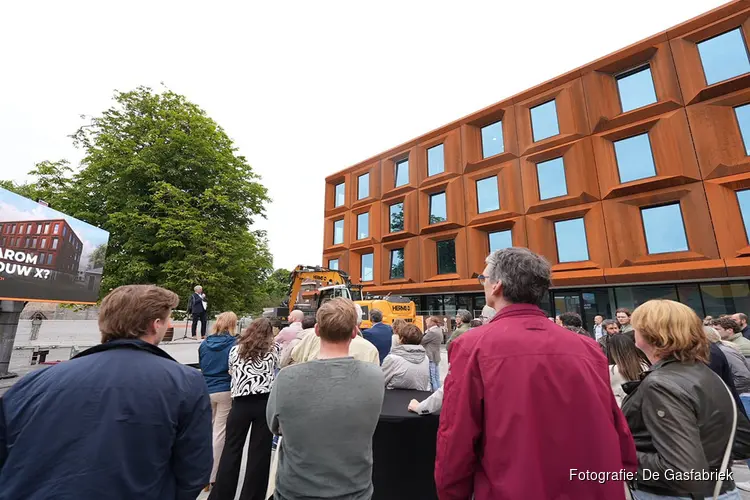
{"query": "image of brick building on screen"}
pixel 53 241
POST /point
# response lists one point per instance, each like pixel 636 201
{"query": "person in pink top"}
pixel 289 333
pixel 528 411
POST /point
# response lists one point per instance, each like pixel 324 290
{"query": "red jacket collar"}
pixel 519 310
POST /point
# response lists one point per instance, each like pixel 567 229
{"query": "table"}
pixel 404 449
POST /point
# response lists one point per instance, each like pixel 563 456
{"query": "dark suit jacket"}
pixel 195 304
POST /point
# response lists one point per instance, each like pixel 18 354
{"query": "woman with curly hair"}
pixel 252 364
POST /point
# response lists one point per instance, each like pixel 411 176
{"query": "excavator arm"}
pixel 322 274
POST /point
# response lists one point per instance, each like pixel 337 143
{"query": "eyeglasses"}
pixel 482 278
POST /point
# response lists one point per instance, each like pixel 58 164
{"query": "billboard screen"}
pixel 46 255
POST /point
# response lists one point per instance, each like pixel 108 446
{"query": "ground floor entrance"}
pixel 712 298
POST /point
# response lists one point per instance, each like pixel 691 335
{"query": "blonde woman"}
pixel 681 413
pixel 213 356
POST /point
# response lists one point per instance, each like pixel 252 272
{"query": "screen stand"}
pixel 10 313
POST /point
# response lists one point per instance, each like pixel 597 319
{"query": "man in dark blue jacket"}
pixel 122 420
pixel 379 335
pixel 197 308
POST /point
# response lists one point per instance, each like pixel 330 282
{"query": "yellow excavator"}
pixel 312 286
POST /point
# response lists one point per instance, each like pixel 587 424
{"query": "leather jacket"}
pixel 680 415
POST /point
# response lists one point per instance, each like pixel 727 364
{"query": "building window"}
pixel 402 173
pixel 725 298
pixel 487 197
pixel 367 267
pixel 49 259
pixel 363 225
pixel 500 240
pixel 544 121
pixel 333 264
pixel 724 56
pixel 743 199
pixel 435 160
pixel 338 198
pixel 397 263
pixel 33 242
pixel 65 231
pixel 446 256
pixel 41 258
pixel 664 228
pixel 396 218
pixel 551 176
pixel 571 241
pixel 636 88
pixel 28 243
pixel 13 229
pixel 56 229
pixel 338 232
pixel 743 120
pixel 492 139
pixel 363 186
pixel 46 228
pixel 20 228
pixel 634 158
pixel 438 211
pixel 38 229
pixel 43 244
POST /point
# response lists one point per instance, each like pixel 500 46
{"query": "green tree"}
pixel 167 183
pixel 97 257
pixel 276 287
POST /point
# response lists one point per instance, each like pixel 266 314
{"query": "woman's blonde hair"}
pixel 673 329
pixel 226 322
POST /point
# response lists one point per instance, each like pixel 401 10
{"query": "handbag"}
pixel 728 451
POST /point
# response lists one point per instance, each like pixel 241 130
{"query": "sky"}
pixel 18 208
pixel 304 88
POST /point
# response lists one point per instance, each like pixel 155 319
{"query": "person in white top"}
pixel 598 327
pixel 625 364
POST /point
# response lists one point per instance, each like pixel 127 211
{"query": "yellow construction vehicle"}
pixel 312 286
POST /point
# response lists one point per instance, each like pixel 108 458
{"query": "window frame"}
pixel 502 137
pixel 390 263
pixel 489 238
pixel 396 169
pixel 586 239
pixel 335 195
pixel 651 150
pixel 497 194
pixel 700 58
pixel 337 264
pixel 437 256
pixel 362 266
pixel 682 219
pixel 427 153
pixel 390 217
pixel 746 225
pixel 539 184
pixel 745 143
pixel 429 208
pixel 630 72
pixel 343 232
pixel 531 120
pixel 368 225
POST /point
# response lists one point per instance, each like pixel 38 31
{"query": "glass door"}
pixel 568 302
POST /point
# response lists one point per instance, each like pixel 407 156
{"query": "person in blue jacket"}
pixel 379 335
pixel 122 420
pixel 213 356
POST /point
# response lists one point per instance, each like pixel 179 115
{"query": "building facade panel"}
pixel 630 175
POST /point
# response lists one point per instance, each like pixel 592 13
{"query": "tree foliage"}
pixel 167 183
pixel 276 287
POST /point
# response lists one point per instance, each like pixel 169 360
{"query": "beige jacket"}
pixel 308 349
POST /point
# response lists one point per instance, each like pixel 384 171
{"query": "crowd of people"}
pixel 653 404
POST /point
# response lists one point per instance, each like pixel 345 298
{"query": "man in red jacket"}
pixel 528 410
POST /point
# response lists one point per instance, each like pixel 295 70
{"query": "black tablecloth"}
pixel 404 450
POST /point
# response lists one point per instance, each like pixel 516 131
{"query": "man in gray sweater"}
pixel 326 410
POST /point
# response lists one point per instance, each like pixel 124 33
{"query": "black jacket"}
pixel 719 364
pixel 680 416
pixel 195 304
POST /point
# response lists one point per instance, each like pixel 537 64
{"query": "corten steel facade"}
pixel 625 173
pixel 53 241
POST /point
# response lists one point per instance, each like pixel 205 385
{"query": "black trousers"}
pixel 202 317
pixel 248 414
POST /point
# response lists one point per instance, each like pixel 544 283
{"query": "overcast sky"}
pixel 304 88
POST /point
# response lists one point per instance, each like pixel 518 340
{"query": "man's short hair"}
pixel 524 274
pixel 727 323
pixel 336 320
pixel 308 322
pixel 376 315
pixel 128 311
pixel 623 310
pixel 608 322
pixel 296 316
pixel 464 315
pixel 742 316
pixel 434 320
pixel 358 308
pixel 410 334
pixel 571 319
pixel 197 287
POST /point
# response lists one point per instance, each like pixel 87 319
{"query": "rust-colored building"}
pixel 52 241
pixel 631 175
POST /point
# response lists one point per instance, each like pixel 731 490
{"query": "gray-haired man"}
pixel 198 306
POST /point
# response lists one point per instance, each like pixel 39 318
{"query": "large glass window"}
pixel 487 196
pixel 492 139
pixel 500 240
pixel 636 88
pixel 363 186
pixel 724 56
pixel 435 160
pixel 333 264
pixel 446 256
pixel 438 209
pixel 571 241
pixel 664 228
pixel 397 217
pixel 551 176
pixel 368 270
pixel 743 120
pixel 402 173
pixel 338 232
pixel 743 198
pixel 363 225
pixel 634 158
pixel 690 295
pixel 339 195
pixel 397 263
pixel 633 296
pixel 544 121
pixel 54 243
pixel 728 298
